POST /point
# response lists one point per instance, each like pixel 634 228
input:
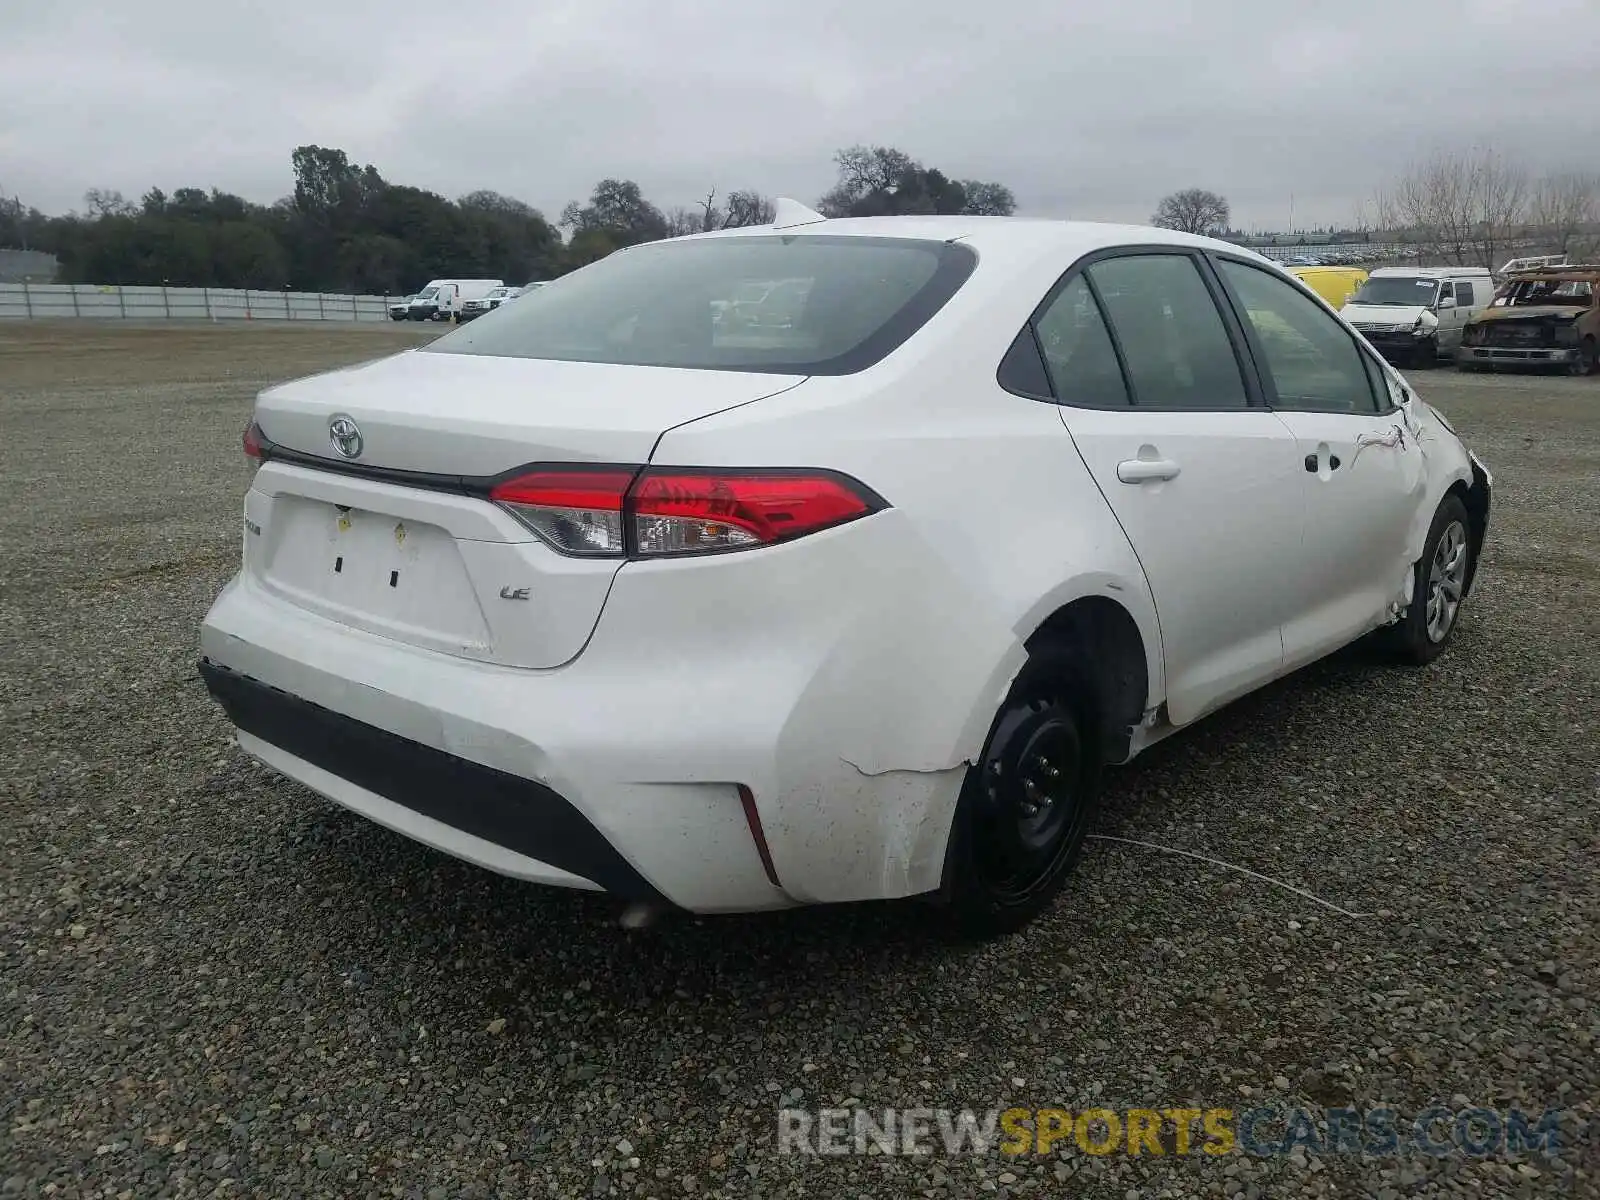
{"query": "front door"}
pixel 1205 483
pixel 1361 473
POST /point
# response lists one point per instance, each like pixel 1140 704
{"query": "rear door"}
pixel 1201 476
pixel 1361 473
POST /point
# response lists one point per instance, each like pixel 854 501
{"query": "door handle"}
pixel 1311 462
pixel 1141 470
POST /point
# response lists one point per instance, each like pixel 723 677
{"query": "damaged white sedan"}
pixel 849 599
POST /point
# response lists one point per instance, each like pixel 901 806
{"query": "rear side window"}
pixel 1464 295
pixel 1078 352
pixel 1171 335
pixel 804 304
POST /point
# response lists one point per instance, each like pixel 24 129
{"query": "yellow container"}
pixel 1334 284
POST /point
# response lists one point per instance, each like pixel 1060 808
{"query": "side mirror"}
pixel 1446 302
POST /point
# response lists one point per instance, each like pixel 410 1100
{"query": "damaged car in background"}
pixel 858 604
pixel 1541 317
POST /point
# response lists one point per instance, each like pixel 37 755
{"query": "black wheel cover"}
pixel 1030 814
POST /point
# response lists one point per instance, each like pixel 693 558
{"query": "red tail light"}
pixel 678 512
pixel 252 444
pixel 668 511
pixel 575 511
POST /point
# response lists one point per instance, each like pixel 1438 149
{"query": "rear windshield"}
pixel 806 304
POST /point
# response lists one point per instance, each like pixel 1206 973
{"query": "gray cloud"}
pixel 1084 111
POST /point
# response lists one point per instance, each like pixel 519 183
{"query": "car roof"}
pixel 1434 272
pixel 993 233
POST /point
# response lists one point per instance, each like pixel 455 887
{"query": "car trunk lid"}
pixel 462 414
pixel 400 539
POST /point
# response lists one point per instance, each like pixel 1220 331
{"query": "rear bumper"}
pixel 538 828
pixel 702 677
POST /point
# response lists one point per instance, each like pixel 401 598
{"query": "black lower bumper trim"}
pixel 495 805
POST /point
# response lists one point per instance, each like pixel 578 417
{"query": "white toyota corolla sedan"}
pixel 848 600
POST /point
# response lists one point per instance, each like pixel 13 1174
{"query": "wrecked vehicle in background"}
pixel 1543 317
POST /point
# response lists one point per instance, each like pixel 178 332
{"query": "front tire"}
pixel 1439 584
pixel 1030 800
pixel 1588 360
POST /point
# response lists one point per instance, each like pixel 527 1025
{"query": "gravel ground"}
pixel 213 984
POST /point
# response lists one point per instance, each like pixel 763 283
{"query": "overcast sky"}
pixel 1084 110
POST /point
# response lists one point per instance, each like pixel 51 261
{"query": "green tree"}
pixel 617 207
pixel 879 181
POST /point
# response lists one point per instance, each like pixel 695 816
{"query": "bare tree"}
pixel 682 221
pixel 1458 207
pixel 1193 210
pixel 1563 209
pixel 1498 199
pixel 748 208
pixel 107 202
pixel 743 208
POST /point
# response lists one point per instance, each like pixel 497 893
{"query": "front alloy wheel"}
pixel 1447 581
pixel 1439 584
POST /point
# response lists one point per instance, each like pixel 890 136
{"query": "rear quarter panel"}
pixel 997 510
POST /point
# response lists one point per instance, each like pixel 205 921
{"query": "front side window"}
pixel 1077 350
pixel 1314 363
pixel 806 304
pixel 1172 337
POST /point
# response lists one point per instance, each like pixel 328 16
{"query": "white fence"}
pixel 54 300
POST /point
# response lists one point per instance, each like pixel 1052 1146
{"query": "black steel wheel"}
pixel 1028 803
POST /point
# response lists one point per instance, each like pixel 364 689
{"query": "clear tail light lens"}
pixel 696 512
pixel 576 512
pixel 652 512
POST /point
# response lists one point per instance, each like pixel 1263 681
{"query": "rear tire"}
pixel 1030 800
pixel 1439 582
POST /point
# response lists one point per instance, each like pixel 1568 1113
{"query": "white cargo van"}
pixel 1416 314
pixel 442 299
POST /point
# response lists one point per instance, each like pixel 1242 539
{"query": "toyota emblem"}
pixel 345 435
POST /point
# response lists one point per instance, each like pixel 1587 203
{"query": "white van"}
pixel 442 299
pixel 1416 314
